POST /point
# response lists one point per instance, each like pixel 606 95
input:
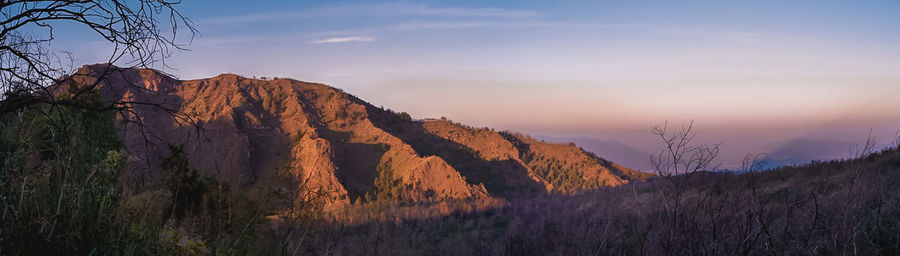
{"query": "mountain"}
pixel 610 149
pixel 802 151
pixel 339 147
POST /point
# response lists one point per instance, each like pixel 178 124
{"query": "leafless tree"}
pixel 141 32
pixel 753 163
pixel 676 163
pixel 896 141
pixel 680 156
pixel 865 149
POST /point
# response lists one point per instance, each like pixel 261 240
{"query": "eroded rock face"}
pixel 332 142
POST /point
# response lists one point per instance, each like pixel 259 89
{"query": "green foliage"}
pixel 563 178
pixel 204 216
pixel 405 116
pixel 187 188
pixel 59 181
pixel 387 187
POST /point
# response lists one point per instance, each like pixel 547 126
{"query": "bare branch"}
pixel 753 163
pixel 679 155
pixel 865 149
pixel 144 31
pixel 896 141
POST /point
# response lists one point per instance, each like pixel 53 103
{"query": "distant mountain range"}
pixel 802 151
pixel 791 152
pixel 337 144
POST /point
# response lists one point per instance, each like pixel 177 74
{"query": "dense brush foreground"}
pixel 839 207
pixel 353 179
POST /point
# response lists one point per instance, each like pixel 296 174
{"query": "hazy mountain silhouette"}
pixel 802 150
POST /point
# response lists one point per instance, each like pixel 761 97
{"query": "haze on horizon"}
pixel 753 74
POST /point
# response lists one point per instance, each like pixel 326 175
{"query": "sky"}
pixel 755 75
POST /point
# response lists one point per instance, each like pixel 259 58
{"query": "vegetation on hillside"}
pixel 69 188
pixel 386 187
pixel 563 180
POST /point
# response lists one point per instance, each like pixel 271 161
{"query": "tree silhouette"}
pixel 142 33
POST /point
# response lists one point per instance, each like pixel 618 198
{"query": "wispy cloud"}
pixel 538 24
pixel 369 10
pixel 343 40
pixel 470 12
pixel 482 25
pixel 733 35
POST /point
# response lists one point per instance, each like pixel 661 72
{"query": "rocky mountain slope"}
pixel 337 145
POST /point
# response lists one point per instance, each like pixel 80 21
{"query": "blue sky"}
pixel 751 73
